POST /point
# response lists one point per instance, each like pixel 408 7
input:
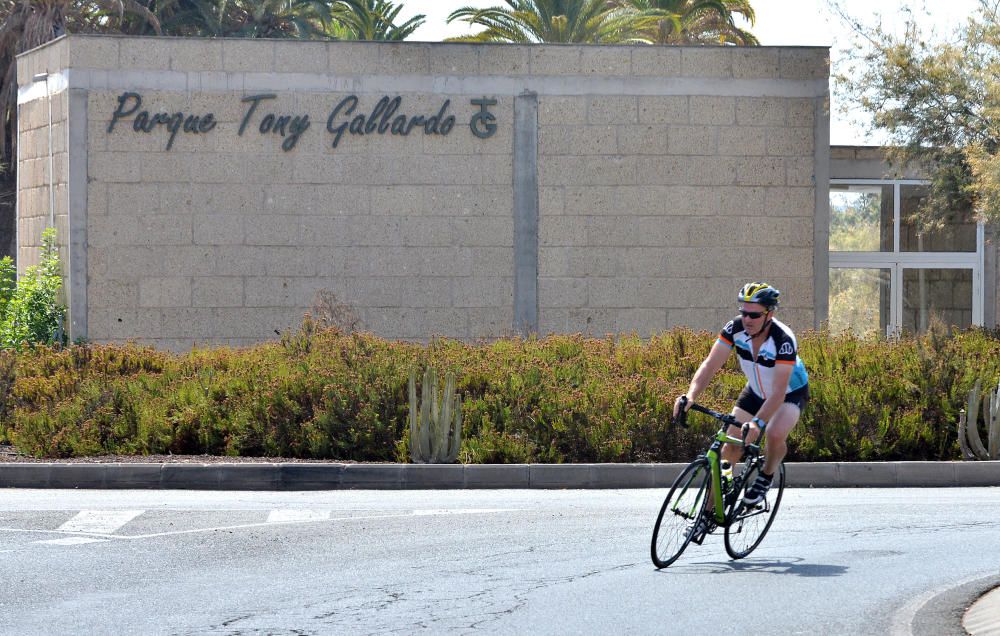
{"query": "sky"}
pixel 779 23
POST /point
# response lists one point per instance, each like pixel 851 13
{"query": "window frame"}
pixel 896 261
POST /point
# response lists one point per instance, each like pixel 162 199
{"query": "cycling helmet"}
pixel 760 293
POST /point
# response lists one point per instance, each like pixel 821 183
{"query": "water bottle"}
pixel 727 474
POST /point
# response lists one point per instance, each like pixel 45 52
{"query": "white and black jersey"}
pixel 779 348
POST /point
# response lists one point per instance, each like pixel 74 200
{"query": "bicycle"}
pixel 685 516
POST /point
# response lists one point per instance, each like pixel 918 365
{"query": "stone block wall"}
pixel 412 234
pixel 34 179
pixel 656 209
pixel 662 178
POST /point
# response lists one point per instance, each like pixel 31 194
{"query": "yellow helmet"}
pixel 760 293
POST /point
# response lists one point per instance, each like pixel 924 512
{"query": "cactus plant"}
pixel 968 429
pixel 435 427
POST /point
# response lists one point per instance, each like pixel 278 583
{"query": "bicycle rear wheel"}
pixel 748 525
pixel 684 505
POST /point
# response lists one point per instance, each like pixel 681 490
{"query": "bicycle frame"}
pixel 715 468
pixel 713 453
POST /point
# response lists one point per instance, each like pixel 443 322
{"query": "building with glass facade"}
pixel 887 273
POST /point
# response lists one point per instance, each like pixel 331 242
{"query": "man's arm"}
pixel 709 367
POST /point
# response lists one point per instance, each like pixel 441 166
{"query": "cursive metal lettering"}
pixel 144 122
pixel 383 119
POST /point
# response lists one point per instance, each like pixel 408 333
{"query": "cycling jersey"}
pixel 780 347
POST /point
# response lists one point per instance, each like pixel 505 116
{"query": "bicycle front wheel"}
pixel 748 524
pixel 684 505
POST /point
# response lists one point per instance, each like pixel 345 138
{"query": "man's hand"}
pixel 681 403
pixel 751 430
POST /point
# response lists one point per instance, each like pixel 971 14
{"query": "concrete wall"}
pixel 34 178
pixel 657 208
pixel 624 188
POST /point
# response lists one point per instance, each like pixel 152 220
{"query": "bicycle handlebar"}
pixel 726 418
pixel 681 418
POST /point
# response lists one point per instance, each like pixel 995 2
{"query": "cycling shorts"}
pixel 751 402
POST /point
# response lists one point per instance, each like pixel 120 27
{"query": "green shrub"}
pixel 30 311
pixel 322 393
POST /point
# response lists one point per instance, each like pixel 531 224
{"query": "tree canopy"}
pixel 692 21
pixel 372 20
pixel 938 100
pixel 609 22
pixel 554 21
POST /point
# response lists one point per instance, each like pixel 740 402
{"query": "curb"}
pixel 335 476
pixel 969 607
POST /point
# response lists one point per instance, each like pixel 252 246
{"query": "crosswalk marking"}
pixel 71 541
pixel 92 526
pixel 99 521
pixel 292 515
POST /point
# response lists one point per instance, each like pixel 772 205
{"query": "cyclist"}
pixel 777 384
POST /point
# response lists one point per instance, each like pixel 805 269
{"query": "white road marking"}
pixel 99 521
pixel 456 511
pixel 71 541
pixel 292 515
pixel 412 513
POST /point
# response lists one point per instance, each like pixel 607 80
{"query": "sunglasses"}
pixel 752 314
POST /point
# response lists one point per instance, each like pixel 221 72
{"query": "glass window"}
pixel 943 295
pixel 896 267
pixel 859 300
pixel 958 233
pixel 861 218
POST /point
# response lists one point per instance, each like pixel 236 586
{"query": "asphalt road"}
pixel 844 561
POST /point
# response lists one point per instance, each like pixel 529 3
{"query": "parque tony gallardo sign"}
pixel 347 116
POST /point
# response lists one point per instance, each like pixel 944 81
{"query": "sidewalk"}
pixel 983 617
pixel 335 476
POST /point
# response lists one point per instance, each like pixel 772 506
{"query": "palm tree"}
pixel 280 19
pixel 692 21
pixel 30 23
pixel 567 21
pixel 25 24
pixel 371 20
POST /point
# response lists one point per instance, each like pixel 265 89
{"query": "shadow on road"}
pixel 793 566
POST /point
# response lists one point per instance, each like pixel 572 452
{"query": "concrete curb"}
pixel 954 610
pixel 335 476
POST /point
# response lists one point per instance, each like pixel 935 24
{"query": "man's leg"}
pixel 778 428
pixel 732 452
pixel 777 435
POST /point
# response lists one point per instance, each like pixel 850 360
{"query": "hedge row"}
pixel 323 393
